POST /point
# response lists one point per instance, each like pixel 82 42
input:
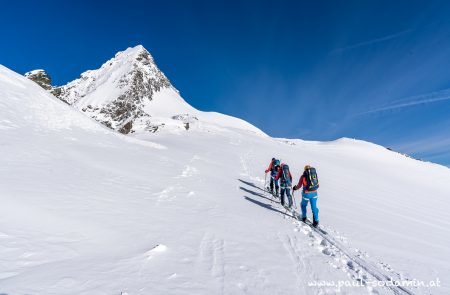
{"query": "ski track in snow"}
pixel 354 265
pixel 245 171
pixel 297 256
pixel 211 256
pixel 243 166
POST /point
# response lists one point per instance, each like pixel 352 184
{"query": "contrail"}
pixel 370 42
pixel 413 101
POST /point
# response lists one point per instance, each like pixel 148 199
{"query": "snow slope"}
pixel 85 210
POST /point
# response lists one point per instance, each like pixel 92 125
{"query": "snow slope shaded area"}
pixel 87 211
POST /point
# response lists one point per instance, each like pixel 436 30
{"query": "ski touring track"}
pixel 354 264
pixel 212 257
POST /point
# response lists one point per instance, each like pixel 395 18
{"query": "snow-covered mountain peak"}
pixel 132 70
pixel 34 72
pixel 129 93
pixel 41 77
pixel 137 53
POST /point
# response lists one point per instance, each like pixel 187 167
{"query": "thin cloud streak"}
pixel 431 147
pixel 430 144
pixel 371 42
pixel 412 101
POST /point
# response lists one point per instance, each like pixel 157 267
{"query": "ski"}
pixel 316 228
pixel 291 211
pixel 272 193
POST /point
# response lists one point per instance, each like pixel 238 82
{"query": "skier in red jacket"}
pixel 285 177
pixel 273 168
pixel 310 183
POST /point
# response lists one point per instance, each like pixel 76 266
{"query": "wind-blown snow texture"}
pixel 85 210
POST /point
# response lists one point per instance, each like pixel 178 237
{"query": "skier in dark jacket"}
pixel 285 177
pixel 273 168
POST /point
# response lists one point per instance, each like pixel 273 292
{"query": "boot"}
pixel 276 192
pixel 315 223
pixel 303 219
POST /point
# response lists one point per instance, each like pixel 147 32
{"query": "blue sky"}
pixel 319 70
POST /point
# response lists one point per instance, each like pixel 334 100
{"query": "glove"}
pixel 266 171
pixel 294 188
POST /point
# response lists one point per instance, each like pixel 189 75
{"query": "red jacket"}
pixel 302 182
pixel 270 167
pixel 280 171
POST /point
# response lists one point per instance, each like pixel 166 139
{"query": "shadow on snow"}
pixel 258 194
pixel 267 206
pixel 251 184
pixel 261 204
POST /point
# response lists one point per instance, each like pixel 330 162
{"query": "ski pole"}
pixel 265 183
pixel 265 187
pixel 293 197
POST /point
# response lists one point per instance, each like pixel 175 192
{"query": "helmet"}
pixel 273 159
pixel 307 167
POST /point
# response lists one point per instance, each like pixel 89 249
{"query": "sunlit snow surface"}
pixel 84 210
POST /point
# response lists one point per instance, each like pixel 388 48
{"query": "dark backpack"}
pixel 312 181
pixel 285 175
pixel 275 165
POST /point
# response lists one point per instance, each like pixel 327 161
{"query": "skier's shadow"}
pixel 267 206
pixel 251 184
pixel 264 205
pixel 258 194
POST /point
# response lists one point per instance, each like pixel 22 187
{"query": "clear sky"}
pixel 317 70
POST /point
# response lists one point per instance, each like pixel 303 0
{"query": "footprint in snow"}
pixel 350 265
pixel 189 171
pixel 324 243
pixel 165 195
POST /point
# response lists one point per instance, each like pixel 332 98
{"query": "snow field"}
pixel 87 211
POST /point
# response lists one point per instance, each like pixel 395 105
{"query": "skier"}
pixel 273 168
pixel 310 183
pixel 285 183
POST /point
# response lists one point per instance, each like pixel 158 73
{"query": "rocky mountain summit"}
pixel 43 79
pixel 40 77
pixel 117 93
pixel 129 93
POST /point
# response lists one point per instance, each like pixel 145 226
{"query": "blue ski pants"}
pixel 310 197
